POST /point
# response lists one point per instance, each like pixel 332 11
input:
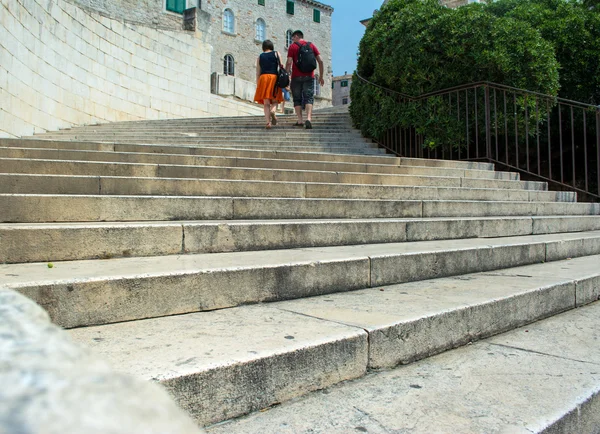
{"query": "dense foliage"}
pixel 418 46
pixel 573 29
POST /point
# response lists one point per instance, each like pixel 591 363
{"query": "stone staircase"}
pixel 243 268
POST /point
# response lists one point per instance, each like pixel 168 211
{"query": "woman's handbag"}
pixel 283 78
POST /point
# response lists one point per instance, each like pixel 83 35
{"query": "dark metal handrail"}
pixel 542 136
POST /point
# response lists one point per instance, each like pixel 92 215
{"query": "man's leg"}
pixel 308 90
pixel 296 88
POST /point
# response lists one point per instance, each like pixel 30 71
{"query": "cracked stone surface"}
pixel 544 377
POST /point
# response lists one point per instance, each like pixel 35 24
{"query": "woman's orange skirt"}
pixel 264 89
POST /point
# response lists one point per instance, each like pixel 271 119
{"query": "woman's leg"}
pixel 267 106
pixel 273 112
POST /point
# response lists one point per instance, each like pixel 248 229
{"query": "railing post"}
pixel 488 129
pixel 598 149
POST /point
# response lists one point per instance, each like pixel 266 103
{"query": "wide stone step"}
pixel 224 133
pixel 66 242
pixel 218 161
pixel 254 126
pixel 229 139
pixel 258 121
pixel 320 114
pixel 270 154
pixel 541 378
pixel 227 363
pixel 130 185
pixel 82 293
pixel 349 150
pixel 93 168
pixel 41 208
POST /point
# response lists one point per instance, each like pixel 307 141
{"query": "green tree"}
pixel 573 29
pixel 418 46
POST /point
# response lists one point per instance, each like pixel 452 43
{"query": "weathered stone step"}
pixel 246 126
pixel 225 140
pixel 130 185
pixel 195 150
pixel 228 120
pixel 41 208
pixel 338 150
pixel 227 363
pixel 218 161
pixel 226 133
pixel 258 121
pixel 81 293
pixel 22 243
pixel 101 168
pixel 541 378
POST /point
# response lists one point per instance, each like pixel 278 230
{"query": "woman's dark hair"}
pixel 268 45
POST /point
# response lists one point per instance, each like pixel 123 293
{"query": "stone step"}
pixel 225 139
pixel 234 119
pixel 541 378
pixel 132 185
pixel 256 125
pixel 41 208
pixel 234 122
pixel 338 150
pixel 218 161
pixel 226 133
pixel 45 242
pixel 195 150
pixel 83 293
pixel 231 362
pixel 101 168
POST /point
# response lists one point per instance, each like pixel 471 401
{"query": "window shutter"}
pixel 316 15
pixel 177 6
pixel 261 2
pixel 290 7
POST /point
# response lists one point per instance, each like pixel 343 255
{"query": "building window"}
pixel 316 15
pixel 261 2
pixel 177 6
pixel 260 30
pixel 333 84
pixel 228 21
pixel 228 65
pixel 344 101
pixel 344 83
pixel 290 7
pixel 288 38
pixel 317 85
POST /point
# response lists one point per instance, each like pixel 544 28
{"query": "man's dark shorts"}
pixel 303 90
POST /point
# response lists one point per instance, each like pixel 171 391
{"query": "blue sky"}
pixel 346 30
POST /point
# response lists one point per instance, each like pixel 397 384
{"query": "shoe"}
pixel 268 127
pixel 273 118
pixel 308 125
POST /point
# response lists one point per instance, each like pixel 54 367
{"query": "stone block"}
pixel 51 385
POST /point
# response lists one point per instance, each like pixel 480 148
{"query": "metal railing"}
pixel 541 136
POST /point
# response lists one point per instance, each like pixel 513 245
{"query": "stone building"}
pixel 75 62
pixel 238 28
pixel 341 89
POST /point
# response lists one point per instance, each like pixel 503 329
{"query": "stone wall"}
pixel 243 46
pixel 63 65
pixel 145 12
